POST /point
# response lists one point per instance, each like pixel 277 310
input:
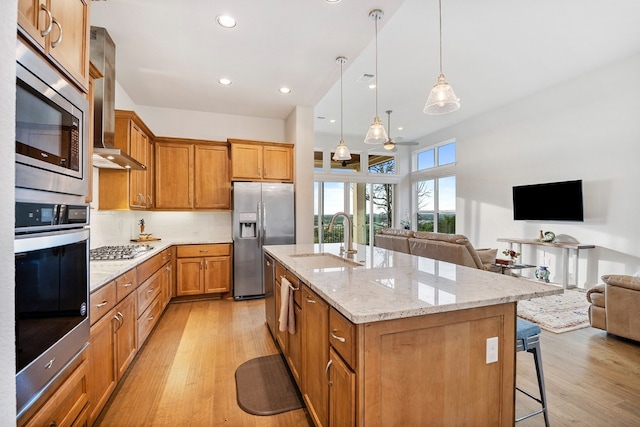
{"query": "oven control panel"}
pixel 39 216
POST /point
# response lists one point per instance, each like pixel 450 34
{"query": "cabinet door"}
pixel 127 325
pixel 342 389
pixel 174 172
pixel 246 161
pixel 69 40
pixel 166 285
pixel 217 274
pixel 315 355
pixel 138 179
pixel 33 19
pixel 278 163
pixel 212 183
pixel 102 375
pixel 189 276
pixel 294 347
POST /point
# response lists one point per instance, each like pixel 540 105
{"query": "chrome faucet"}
pixel 347 233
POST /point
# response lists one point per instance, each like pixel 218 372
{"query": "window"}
pixel 435 189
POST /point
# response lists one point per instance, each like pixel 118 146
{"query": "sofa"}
pixel 615 306
pixel 454 248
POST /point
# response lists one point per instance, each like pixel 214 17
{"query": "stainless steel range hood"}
pixel 105 154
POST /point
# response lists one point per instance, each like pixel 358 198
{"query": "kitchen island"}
pixel 385 338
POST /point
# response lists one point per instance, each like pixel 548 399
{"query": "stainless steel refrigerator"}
pixel 263 214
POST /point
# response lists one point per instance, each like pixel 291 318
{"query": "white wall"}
pixel 8 13
pixel 299 129
pixel 587 129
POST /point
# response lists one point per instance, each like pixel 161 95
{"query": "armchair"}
pixel 615 306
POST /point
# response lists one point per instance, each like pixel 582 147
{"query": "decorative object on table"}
pixel 511 254
pixel 557 313
pixel 141 222
pixel 546 237
pixel 542 273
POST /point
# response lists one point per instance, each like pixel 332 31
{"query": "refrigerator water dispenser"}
pixel 248 221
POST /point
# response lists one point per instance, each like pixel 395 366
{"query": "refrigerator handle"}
pixel 263 215
pixel 259 224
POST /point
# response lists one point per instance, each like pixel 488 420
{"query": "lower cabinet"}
pixel 342 391
pixel 67 405
pixel 315 356
pixel 203 269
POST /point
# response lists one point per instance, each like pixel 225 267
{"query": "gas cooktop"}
pixel 112 253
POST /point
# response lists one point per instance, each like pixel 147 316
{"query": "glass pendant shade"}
pixel 389 145
pixel 376 134
pixel 342 152
pixel 442 99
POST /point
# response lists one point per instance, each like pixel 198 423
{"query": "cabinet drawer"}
pixel 191 251
pixel 67 403
pixel 342 337
pixel 148 320
pixel 102 300
pixel 150 266
pixel 125 284
pixel 149 290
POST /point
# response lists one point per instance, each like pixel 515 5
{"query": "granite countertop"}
pixel 392 285
pixel 102 272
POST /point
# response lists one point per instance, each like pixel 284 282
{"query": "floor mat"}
pixel 264 386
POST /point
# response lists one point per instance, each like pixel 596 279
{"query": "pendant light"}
pixel 342 152
pixel 376 133
pixel 442 99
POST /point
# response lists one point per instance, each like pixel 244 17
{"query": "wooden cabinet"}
pixel 129 189
pixel 59 29
pixel 125 334
pixel 67 404
pixel 203 269
pixel 102 364
pixel 291 344
pixel 315 355
pixel 342 391
pixel 261 161
pixel 192 174
pixel 151 292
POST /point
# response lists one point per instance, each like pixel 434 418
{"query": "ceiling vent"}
pixel 365 78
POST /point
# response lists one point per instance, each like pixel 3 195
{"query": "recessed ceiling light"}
pixel 224 81
pixel 285 90
pixel 400 128
pixel 332 1
pixel 226 21
pixel 332 121
pixel 372 86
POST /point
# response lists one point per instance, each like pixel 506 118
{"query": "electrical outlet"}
pixel 492 350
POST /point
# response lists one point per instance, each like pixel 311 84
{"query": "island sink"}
pixel 324 260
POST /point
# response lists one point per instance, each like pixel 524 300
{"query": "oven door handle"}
pixel 34 242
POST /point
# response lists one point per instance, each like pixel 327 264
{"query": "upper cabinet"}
pixel 261 161
pixel 59 29
pixel 192 174
pixel 123 189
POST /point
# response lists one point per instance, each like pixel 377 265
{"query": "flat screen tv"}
pixel 553 201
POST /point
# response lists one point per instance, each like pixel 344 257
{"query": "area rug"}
pixel 265 387
pixel 557 313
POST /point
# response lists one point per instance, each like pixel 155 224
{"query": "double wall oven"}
pixel 51 242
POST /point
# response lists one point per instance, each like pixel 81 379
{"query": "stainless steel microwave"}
pixel 51 128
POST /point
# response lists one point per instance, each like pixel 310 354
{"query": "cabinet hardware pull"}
pixel 126 285
pixel 49 363
pixel 59 40
pixel 309 300
pixel 292 287
pixel 150 199
pixel 102 304
pixel 119 320
pixel 50 25
pixel 150 290
pixel 269 263
pixel 45 155
pixel 204 250
pixel 200 265
pixel 206 265
pixel 326 372
pixel 150 318
pixel 334 336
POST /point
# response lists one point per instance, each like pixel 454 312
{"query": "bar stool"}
pixel 528 339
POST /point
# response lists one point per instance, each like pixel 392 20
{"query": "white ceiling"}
pixel 170 53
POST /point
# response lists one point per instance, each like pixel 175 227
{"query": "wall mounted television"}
pixel 553 201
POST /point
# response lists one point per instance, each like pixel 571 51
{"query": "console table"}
pixel 566 247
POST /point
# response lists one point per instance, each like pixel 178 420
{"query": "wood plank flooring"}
pixel 184 374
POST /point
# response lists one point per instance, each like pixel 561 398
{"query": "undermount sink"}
pixel 324 260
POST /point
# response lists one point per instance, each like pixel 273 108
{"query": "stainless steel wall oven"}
pixel 51 287
pixel 51 131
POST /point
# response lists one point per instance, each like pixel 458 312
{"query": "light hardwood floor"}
pixel 184 374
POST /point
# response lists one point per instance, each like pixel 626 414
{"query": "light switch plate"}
pixel 492 350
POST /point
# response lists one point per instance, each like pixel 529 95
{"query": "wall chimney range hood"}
pixel 103 57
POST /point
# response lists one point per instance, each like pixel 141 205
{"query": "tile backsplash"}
pixel 119 227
